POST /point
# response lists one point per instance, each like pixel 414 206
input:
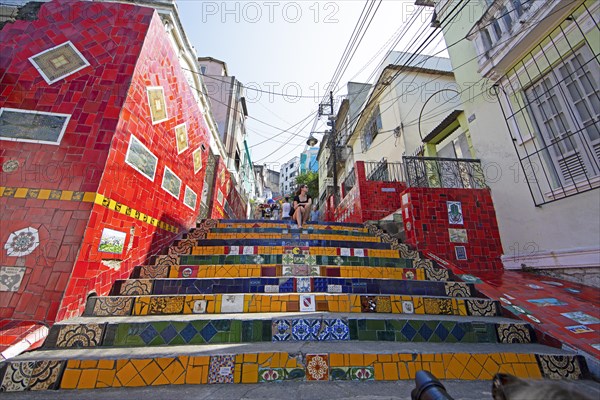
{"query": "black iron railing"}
pixel 349 182
pixel 384 171
pixel 436 172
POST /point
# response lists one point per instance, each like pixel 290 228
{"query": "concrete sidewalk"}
pixel 465 390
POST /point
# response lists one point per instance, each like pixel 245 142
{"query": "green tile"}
pixel 387 336
pixel 353 328
pixel 177 340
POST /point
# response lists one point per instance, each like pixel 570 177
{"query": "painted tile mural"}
pixel 171 183
pixel 181 137
pixel 22 125
pixel 157 103
pixel 59 62
pixel 112 241
pixel 141 159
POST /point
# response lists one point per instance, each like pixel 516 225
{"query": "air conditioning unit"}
pixel 344 153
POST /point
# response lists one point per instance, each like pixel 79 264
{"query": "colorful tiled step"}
pixel 181 330
pixel 280 361
pixel 254 270
pixel 277 302
pixel 138 287
pixel 238 246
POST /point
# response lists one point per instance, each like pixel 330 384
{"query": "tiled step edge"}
pixel 102 371
pixel 274 302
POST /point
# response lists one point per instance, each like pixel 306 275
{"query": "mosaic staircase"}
pixel 262 301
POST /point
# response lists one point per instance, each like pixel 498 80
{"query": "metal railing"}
pixel 349 182
pixel 384 171
pixel 436 172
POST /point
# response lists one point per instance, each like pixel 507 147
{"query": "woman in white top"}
pixel 286 208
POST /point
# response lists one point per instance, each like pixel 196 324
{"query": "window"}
pixel 371 130
pixel 564 105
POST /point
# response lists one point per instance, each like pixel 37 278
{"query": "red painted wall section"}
pixel 368 200
pixel 53 187
pixel 427 223
pixel 129 191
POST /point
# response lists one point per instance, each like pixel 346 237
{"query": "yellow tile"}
pixel 357 360
pixel 250 373
pixel 378 372
pixel 126 373
pixel 468 376
pixel 68 195
pixel 462 358
pixel 336 360
pixel 533 371
pixel 384 358
pixel 455 369
pixel 427 357
pixel 526 358
pixel 369 359
pixel 193 375
pixel 250 357
pixel 390 371
pixel 491 367
pixel 88 364
pixel 20 193
pixel 150 373
pixel 411 370
pixel 70 378
pixel 264 358
pixel 180 380
pixel 88 379
pixel 405 357
pixel 141 363
pixel 403 371
pixel 106 378
pixel 136 381
pixel 474 367
pixel 106 364
pixel 88 197
pixel 437 369
pixel 173 371
pixel 506 369
pixel 520 370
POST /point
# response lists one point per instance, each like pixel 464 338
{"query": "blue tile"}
pixel 441 332
pixel 281 330
pixel 458 332
pixel 148 334
pixel 408 331
pixel 338 329
pixel 188 332
pixel 425 331
pixel 168 333
pixel 208 332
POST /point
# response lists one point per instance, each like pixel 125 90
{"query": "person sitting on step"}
pixel 302 205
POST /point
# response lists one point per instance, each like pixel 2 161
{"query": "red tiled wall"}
pixel 368 200
pixel 108 102
pixel 157 66
pixel 426 211
pixel 229 203
pixel 94 97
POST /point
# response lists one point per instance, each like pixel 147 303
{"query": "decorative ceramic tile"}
pixel 281 330
pixel 294 374
pixel 45 375
pixel 197 157
pixel 171 183
pixel 258 260
pixel 439 275
pixel 271 288
pixel 458 235
pixel 88 335
pixel 271 375
pixel 234 250
pixel 58 62
pixel 167 260
pixel 481 307
pixel 408 307
pixel 455 215
pixel 581 318
pixel 303 285
pixel 154 271
pixel 22 242
pixel 334 288
pixel 336 329
pixel 339 374
pixel 317 367
pixel 158 106
pixel 368 304
pixel 31 126
pixel 460 252
pixel 112 241
pixel 559 367
pixel 435 306
pixel 513 333
pixel 199 307
pixel 17 376
pixel 306 329
pixel 232 303
pixel 221 369
pixel 425 264
pixel 360 253
pixel 166 305
pixel 11 278
pixel 113 306
pixel 181 138
pixel 136 287
pixel 140 158
pixel 362 373
pixel 384 304
pixel 457 289
pixel 307 303
pixel 344 251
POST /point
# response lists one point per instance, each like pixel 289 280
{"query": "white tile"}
pixel 234 250
pixel 307 303
pixel 248 249
pixel 344 252
pixel 334 288
pixel 408 307
pixel 232 303
pixel 359 252
pixel 303 285
pixel 199 307
pixel 271 288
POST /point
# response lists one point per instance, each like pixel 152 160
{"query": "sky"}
pixel 280 50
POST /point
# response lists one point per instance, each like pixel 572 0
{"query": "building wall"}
pixel 534 236
pixel 97 190
pixel 428 226
pixel 287 176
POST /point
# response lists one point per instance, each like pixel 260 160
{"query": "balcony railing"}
pixel 384 171
pixel 433 172
pixel 349 182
